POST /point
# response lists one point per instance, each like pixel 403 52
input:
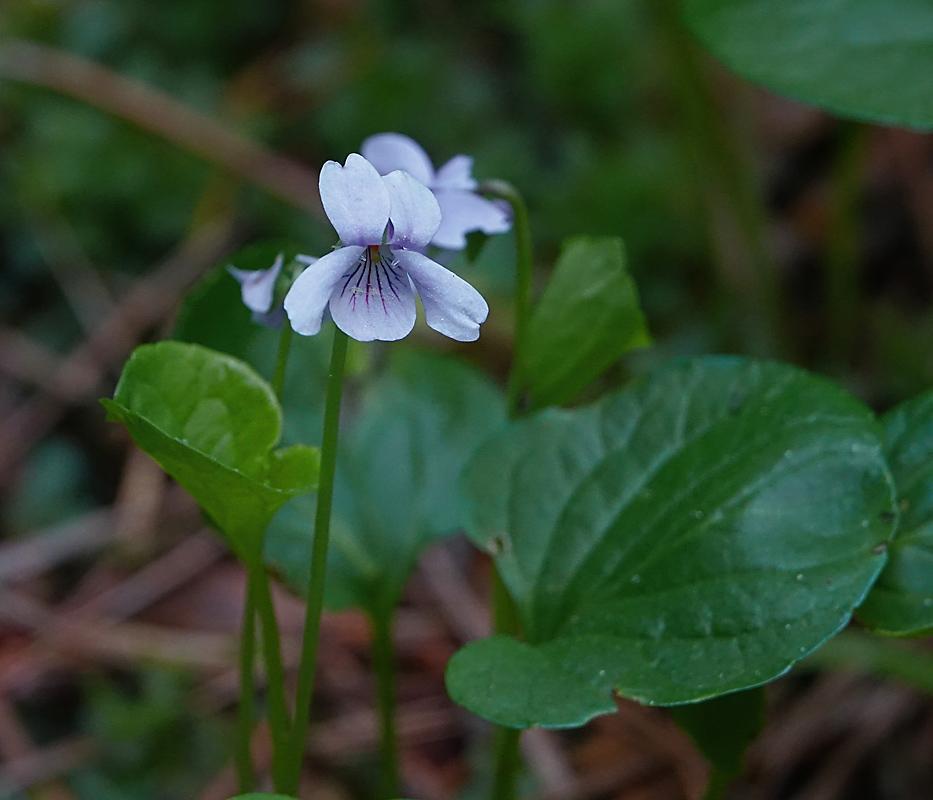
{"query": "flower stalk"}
pixel 523 278
pixel 242 756
pixel 318 568
pixel 383 654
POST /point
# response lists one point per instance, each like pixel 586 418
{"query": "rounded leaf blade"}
pixel 692 535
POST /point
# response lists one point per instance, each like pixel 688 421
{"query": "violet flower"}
pixel 462 210
pixel 383 223
pixel 257 288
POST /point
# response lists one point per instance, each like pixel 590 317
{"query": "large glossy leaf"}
pixel 901 602
pixel 860 58
pixel 693 535
pixel 397 480
pixel 212 424
pixel 586 319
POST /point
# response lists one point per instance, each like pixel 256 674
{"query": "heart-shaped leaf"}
pixel 860 58
pixel 212 423
pixel 692 535
pixel 397 480
pixel 587 318
pixel 901 602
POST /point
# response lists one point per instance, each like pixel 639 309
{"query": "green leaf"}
pixel 693 535
pixel 587 318
pixel 397 480
pixel 723 728
pixel 865 59
pixel 212 424
pixel 901 602
pixel 213 315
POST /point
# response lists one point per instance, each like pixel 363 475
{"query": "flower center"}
pixel 374 278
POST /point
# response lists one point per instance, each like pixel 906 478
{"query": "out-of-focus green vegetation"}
pixel 603 112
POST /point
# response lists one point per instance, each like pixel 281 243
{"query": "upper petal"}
pixel 374 301
pixel 355 199
pixel 462 212
pixel 388 152
pixel 414 213
pixel 307 299
pixel 456 174
pixel 257 286
pixel 451 305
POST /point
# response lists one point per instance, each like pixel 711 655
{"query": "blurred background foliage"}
pixel 751 224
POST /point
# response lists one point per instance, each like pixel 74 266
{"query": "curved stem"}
pixel 281 359
pixel 318 567
pixel 246 711
pixel 523 275
pixel 383 654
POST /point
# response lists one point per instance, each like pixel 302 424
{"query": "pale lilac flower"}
pixel 257 288
pixel 383 223
pixel 462 210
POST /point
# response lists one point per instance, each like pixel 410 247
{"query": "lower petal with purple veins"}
pixel 373 299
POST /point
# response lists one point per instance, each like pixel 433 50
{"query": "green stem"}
pixel 281 359
pixel 523 277
pixel 842 246
pixel 246 711
pixel 718 784
pixel 309 643
pixel 384 668
pixel 506 760
pixel 507 763
pixel 275 674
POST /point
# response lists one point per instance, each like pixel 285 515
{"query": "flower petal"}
pixel 451 305
pixel 455 174
pixel 308 297
pixel 374 301
pixel 257 286
pixel 388 152
pixel 414 214
pixel 355 199
pixel 462 212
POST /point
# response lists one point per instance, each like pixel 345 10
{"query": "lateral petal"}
pixel 311 291
pixel 451 305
